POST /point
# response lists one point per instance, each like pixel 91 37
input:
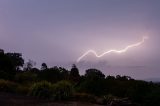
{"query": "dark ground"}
pixel 8 99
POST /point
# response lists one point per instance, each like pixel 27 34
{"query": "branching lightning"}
pixel 112 50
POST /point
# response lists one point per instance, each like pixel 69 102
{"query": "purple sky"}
pixel 59 31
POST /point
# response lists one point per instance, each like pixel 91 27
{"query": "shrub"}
pixel 7 86
pixel 95 87
pixel 60 91
pixel 42 89
pixel 22 89
pixel 63 90
pixel 25 77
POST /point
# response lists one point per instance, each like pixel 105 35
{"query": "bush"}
pixel 22 89
pixel 42 89
pixel 60 91
pixel 95 87
pixel 63 90
pixel 7 86
pixel 25 77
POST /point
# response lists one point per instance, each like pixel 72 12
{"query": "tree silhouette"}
pixel 51 74
pixel 64 73
pixel 29 65
pixel 74 73
pixel 94 74
pixel 16 59
pixel 10 63
pixel 94 82
pixel 44 66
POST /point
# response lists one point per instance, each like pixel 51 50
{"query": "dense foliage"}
pixel 58 83
pixel 63 90
pixel 42 89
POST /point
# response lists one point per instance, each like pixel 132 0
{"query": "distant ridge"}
pixel 153 79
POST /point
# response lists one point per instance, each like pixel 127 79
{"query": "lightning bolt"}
pixel 112 50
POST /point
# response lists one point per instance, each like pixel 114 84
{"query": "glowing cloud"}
pixel 112 50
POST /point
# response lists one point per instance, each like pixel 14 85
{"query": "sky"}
pixel 58 32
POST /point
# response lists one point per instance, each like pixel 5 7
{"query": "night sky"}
pixel 59 31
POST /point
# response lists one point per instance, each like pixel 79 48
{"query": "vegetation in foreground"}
pixel 60 84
